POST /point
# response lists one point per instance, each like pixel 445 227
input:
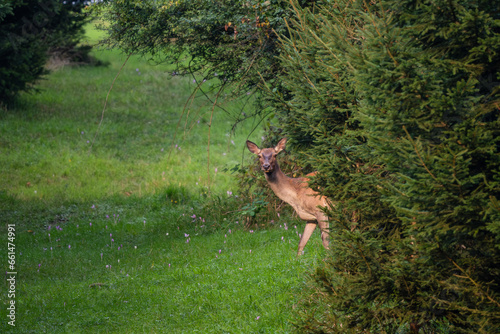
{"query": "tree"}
pixel 232 42
pixel 396 104
pixel 29 30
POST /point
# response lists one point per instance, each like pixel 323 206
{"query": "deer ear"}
pixel 253 147
pixel 281 146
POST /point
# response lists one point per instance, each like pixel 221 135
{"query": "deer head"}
pixel 267 156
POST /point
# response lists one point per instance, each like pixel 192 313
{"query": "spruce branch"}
pixel 418 153
pixel 476 284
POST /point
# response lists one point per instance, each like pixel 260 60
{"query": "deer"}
pixel 306 202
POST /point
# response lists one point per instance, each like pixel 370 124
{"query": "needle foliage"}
pixel 396 104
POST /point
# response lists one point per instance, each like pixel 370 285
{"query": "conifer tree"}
pixel 396 104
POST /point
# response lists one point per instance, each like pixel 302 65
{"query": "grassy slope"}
pixel 103 217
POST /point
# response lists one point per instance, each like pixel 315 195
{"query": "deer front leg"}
pixel 310 226
pixel 324 227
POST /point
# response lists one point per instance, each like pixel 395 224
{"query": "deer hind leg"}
pixel 324 227
pixel 310 226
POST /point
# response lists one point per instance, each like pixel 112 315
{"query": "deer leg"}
pixel 324 227
pixel 310 226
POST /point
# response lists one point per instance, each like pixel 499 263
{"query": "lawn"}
pixel 123 226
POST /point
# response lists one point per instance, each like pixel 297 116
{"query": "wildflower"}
pixel 69 246
pixel 220 250
pixel 257 318
pixel 186 235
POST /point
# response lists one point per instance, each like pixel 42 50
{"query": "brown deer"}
pixel 295 191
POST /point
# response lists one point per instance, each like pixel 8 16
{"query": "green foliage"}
pixel 397 106
pixel 230 43
pixel 31 29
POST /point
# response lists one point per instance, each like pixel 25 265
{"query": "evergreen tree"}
pixel 29 30
pixel 396 105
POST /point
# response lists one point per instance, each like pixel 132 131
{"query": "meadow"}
pixel 123 226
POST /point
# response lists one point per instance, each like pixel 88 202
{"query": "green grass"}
pixel 100 234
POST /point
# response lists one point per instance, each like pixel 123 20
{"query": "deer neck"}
pixel 281 184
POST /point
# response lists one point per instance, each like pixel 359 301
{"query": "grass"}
pixel 122 237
